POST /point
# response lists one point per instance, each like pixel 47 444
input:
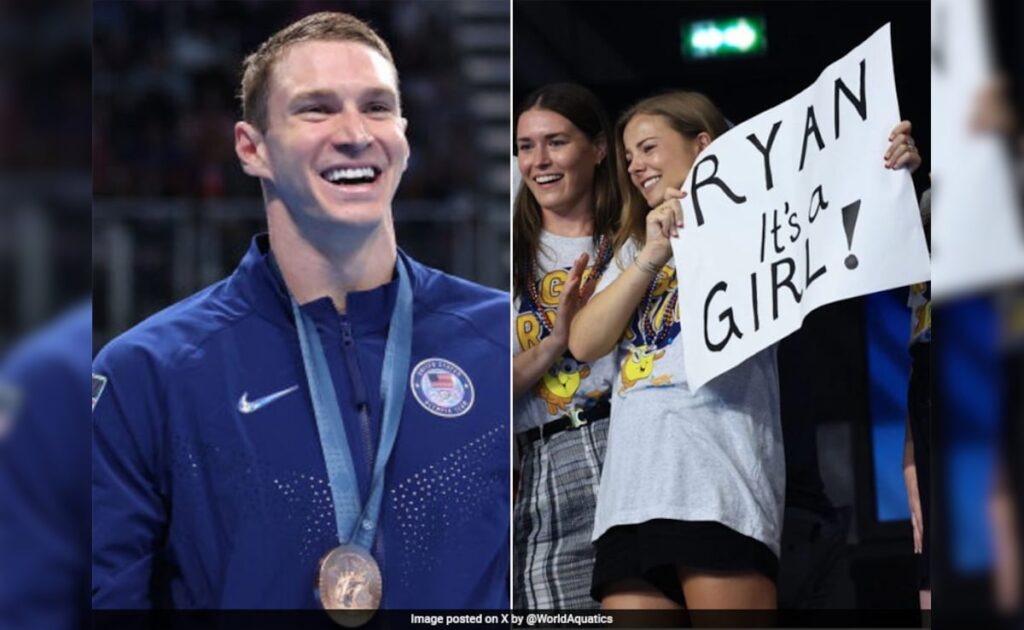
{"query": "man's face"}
pixel 335 144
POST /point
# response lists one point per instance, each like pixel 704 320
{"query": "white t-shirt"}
pixel 711 455
pixel 568 383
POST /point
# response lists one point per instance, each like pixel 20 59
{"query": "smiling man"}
pixel 327 427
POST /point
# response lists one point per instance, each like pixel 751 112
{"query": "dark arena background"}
pixel 844 374
pixel 173 210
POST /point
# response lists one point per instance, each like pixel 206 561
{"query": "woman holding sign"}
pixel 566 212
pixel 691 499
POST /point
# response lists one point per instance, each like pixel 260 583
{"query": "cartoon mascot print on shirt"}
pixel 561 381
pixel 650 331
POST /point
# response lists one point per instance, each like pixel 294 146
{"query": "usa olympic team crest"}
pixel 442 388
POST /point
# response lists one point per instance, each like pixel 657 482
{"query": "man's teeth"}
pixel 547 179
pixel 650 182
pixel 346 175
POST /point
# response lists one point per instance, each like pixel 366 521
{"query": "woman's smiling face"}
pixel 557 160
pixel 657 156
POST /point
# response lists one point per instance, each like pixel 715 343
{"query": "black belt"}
pixel 600 411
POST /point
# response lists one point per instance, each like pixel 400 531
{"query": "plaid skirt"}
pixel 554 519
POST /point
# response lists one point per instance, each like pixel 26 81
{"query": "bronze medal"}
pixel 349 585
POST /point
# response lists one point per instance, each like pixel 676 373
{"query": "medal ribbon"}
pixel 357 524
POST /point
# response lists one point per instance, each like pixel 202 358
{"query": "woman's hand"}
pixel 993 108
pixel 573 298
pixel 529 366
pixel 663 222
pixel 902 149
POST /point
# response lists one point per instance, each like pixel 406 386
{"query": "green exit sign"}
pixel 723 38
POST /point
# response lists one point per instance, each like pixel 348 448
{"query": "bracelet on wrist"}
pixel 646 267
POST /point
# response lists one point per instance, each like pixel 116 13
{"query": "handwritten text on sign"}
pixel 794 209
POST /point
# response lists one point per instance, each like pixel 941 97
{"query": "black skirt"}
pixel 654 551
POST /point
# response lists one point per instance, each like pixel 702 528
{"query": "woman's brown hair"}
pixel 580 107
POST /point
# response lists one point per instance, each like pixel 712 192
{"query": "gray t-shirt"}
pixel 710 455
pixel 568 383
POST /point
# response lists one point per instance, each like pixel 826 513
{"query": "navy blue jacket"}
pixel 44 476
pixel 211 492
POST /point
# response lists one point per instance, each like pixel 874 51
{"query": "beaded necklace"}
pixel 648 335
pixel 604 255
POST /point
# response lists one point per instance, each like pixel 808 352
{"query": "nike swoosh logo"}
pixel 248 406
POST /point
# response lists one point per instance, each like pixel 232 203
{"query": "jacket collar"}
pixel 366 310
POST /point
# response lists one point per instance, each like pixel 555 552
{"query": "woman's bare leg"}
pixel 727 590
pixel 636 595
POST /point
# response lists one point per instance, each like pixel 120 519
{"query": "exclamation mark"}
pixel 850 212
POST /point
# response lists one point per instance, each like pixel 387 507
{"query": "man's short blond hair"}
pixel 324 26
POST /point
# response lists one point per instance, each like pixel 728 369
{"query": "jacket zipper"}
pixel 355 376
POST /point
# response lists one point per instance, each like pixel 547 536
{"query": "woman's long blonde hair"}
pixel 689 113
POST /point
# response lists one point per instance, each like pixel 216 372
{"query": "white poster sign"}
pixel 977 237
pixel 794 209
